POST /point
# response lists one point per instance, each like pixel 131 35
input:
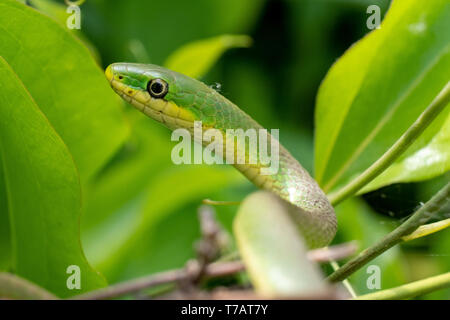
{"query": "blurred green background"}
pixel 139 215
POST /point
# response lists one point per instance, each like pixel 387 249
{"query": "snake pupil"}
pixel 157 88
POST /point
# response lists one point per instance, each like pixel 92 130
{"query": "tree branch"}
pixel 213 270
pixel 15 287
pixel 420 217
pixel 332 253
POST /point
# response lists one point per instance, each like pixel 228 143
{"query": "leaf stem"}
pixel 424 120
pixel 410 290
pixel 420 217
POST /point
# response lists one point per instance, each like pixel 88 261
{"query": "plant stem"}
pixel 212 270
pixel 346 283
pixel 425 118
pixel 411 290
pixel 221 203
pixel 332 253
pixel 420 217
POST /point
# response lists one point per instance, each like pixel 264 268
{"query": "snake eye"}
pixel 157 88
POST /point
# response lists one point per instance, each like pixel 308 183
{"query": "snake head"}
pixel 167 96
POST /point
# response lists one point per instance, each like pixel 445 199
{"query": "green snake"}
pixel 177 100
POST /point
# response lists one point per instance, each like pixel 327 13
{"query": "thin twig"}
pixel 424 120
pixel 420 217
pixel 15 287
pixel 214 239
pixel 332 253
pixel 320 255
pixel 345 282
pixel 411 290
pixel 220 203
pixel 208 224
pixel 211 271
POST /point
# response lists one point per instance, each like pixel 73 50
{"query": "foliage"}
pixel 377 89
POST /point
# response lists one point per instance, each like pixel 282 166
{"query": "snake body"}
pixel 177 100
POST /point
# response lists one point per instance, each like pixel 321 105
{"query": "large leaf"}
pixel 196 58
pixel 58 12
pixel 43 191
pixel 431 160
pixel 379 87
pixel 5 237
pixel 65 82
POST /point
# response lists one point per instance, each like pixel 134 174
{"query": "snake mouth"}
pixel 109 74
pixel 164 111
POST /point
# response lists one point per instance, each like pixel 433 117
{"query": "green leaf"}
pixel 53 9
pixel 43 192
pixel 197 58
pixel 431 160
pixel 65 82
pixel 277 267
pixel 58 12
pixel 379 88
pixel 5 236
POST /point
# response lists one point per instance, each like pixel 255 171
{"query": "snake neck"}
pixel 299 192
pixel 302 197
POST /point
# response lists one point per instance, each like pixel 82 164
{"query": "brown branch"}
pixel 214 241
pixel 333 253
pixel 15 287
pixel 211 271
